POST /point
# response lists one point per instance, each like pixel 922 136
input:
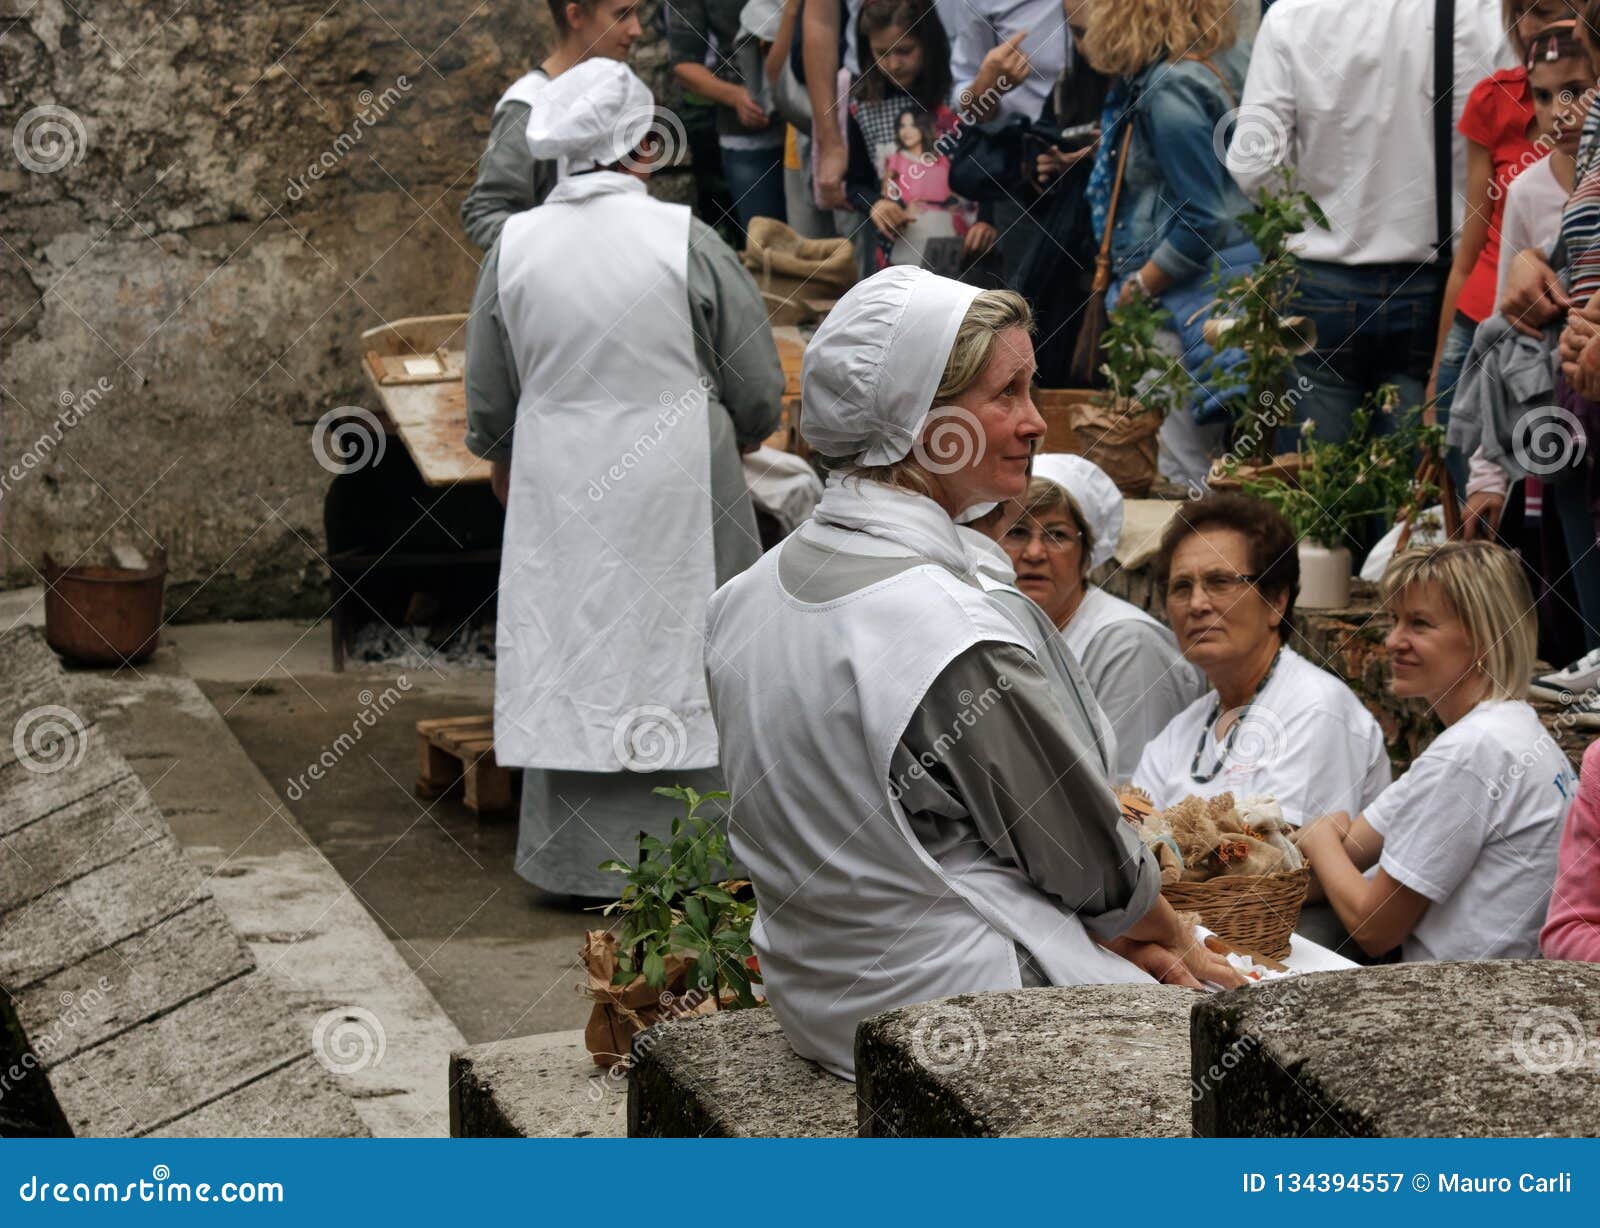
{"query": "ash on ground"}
pixel 424 647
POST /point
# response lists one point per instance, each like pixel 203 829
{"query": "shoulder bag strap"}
pixel 1227 86
pixel 1102 261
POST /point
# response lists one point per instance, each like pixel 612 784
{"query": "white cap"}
pixel 594 114
pixel 868 377
pixel 1095 494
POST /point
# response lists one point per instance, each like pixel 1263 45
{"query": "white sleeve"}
pixel 1434 822
pixel 1484 474
pixel 1267 106
pixel 1514 236
pixel 971 38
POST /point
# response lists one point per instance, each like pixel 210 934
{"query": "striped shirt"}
pixel 1580 220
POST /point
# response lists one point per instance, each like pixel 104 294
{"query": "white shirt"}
pixel 1341 91
pixel 1306 741
pixel 1474 825
pixel 976 27
pixel 1531 218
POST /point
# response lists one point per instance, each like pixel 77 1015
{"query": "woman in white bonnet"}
pixel 1071 520
pixel 917 814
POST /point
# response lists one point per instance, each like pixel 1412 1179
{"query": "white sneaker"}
pixel 1563 684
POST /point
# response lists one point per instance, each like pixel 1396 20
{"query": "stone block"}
pixel 78 839
pixel 132 981
pixel 1080 1061
pixel 732 1075
pixel 95 911
pixel 151 1076
pixel 544 1086
pixel 1492 1049
pixel 295 1101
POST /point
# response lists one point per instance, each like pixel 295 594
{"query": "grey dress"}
pixel 509 178
pixel 572 821
pixel 1020 786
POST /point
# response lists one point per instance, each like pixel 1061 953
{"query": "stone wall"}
pixel 179 299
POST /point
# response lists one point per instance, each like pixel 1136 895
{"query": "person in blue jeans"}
pixel 749 134
pixel 1177 218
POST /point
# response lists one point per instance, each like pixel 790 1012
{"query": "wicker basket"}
pixel 1257 912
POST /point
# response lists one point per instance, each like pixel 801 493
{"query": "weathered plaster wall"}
pixel 176 312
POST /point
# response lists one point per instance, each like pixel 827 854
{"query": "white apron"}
pixel 1097 611
pixel 854 917
pixel 607 562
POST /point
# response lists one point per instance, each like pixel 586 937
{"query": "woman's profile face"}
pixel 976 449
pixel 1047 552
pixel 1215 609
pixel 1429 648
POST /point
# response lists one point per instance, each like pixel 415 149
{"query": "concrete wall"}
pixel 176 310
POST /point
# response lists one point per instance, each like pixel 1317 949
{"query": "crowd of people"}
pixel 920 701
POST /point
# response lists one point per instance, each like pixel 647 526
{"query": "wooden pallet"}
pixel 460 750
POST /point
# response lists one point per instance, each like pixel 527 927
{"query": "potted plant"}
pixel 1340 488
pixel 1251 313
pixel 1116 427
pixel 681 944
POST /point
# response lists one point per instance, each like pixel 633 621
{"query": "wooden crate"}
pixel 460 750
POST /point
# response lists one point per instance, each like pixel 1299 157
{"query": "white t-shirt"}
pixel 1306 741
pixel 1474 825
pixel 1532 216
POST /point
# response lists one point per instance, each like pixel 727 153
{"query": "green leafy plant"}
pixel 1257 303
pixel 679 900
pixel 1138 371
pixel 1341 485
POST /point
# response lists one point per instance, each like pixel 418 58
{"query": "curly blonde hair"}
pixel 1122 37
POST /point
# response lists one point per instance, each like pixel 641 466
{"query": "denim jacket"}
pixel 1179 206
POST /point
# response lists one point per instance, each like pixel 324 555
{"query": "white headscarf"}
pixel 870 373
pixel 594 114
pixel 1095 494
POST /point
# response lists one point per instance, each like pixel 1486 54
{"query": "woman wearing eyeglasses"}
pixel 1071 519
pixel 1274 723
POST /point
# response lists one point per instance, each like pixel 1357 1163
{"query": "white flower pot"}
pixel 1324 577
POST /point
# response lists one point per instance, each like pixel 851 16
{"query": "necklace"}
pixel 1233 730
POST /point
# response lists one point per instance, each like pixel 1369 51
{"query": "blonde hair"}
pixel 1122 37
pixel 991 313
pixel 1043 497
pixel 1485 588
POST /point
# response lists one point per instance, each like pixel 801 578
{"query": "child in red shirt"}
pixel 1498 122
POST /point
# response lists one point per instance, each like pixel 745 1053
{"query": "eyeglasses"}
pixel 1222 585
pixel 1058 541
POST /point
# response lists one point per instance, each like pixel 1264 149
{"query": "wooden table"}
pixel 427 409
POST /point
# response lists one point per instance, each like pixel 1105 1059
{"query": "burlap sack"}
pixel 790 270
pixel 1120 437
